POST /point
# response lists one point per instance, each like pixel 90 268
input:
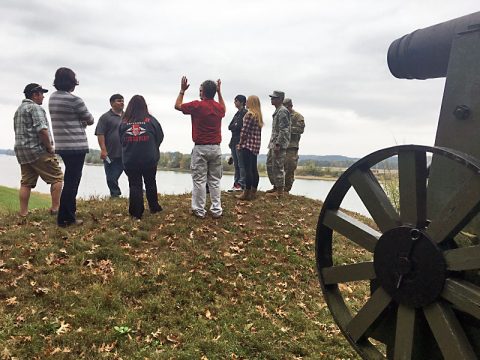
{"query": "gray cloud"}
pixel 329 57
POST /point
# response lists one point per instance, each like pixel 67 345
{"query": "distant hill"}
pixel 319 160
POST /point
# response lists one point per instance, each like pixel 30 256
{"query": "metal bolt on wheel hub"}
pixel 409 266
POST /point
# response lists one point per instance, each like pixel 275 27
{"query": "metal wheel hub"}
pixel 410 266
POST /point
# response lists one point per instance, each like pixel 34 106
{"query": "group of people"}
pixel 282 158
pixel 129 142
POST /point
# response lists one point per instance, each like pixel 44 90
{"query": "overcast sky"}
pixel 328 56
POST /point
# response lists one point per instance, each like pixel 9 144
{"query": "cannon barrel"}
pixel 424 53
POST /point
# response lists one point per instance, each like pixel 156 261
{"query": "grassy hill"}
pixel 168 287
pixel 9 200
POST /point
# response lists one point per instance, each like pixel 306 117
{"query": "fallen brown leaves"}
pixel 243 286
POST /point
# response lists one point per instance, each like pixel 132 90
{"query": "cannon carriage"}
pixel 418 260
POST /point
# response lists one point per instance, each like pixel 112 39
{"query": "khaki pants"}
pixel 206 166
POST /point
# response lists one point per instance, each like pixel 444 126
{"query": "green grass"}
pixel 168 287
pixel 9 200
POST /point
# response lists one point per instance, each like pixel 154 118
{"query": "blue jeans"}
pixel 113 172
pixel 71 181
pixel 238 163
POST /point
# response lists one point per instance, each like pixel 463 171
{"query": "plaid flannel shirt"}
pixel 251 134
pixel 29 119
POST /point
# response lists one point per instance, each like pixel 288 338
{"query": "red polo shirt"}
pixel 206 120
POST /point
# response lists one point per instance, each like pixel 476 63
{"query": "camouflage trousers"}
pixel 291 161
pixel 276 168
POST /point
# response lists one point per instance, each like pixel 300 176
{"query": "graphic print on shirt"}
pixel 135 130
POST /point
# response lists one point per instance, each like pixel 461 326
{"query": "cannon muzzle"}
pixel 424 53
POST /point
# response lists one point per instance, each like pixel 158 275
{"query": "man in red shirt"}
pixel 206 161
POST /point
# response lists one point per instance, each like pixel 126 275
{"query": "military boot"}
pixel 278 192
pixel 245 195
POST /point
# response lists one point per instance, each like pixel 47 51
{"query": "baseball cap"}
pixel 33 88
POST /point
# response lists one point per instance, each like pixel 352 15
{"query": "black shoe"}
pixel 156 210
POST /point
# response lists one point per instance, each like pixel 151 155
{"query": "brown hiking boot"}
pixel 278 192
pixel 246 195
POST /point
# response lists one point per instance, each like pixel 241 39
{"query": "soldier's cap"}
pixel 277 94
pixel 287 102
pixel 33 88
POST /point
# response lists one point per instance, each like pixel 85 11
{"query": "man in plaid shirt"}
pixel 34 149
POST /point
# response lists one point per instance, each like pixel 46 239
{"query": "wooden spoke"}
pixel 457 212
pixel 448 332
pixel 466 258
pixel 463 295
pixel 375 199
pixel 347 273
pixel 352 229
pixel 370 312
pixel 404 334
pixel 412 176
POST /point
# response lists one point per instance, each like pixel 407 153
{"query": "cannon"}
pixel 405 284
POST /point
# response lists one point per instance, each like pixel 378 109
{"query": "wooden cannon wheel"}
pixel 411 288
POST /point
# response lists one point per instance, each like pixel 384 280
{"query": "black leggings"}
pixel 135 177
pixel 251 171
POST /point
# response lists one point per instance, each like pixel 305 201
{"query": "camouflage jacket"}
pixel 297 127
pixel 280 128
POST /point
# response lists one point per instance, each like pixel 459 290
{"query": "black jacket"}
pixel 236 126
pixel 140 143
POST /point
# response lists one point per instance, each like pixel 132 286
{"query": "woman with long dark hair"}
pixel 235 127
pixel 249 146
pixel 69 117
pixel 140 136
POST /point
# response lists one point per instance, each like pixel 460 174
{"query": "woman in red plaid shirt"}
pixel 249 145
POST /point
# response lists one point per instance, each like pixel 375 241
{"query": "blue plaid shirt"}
pixel 29 119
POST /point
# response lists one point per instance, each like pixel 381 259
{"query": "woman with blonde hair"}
pixel 249 146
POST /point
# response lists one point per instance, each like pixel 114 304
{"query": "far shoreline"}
pixel 303 177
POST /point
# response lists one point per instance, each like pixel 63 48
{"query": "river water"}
pixel 93 184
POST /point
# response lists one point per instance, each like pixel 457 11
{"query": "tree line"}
pixel 181 162
pixel 177 161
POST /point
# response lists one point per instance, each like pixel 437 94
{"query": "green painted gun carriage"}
pixel 417 263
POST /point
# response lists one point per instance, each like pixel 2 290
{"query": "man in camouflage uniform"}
pixel 296 130
pixel 277 147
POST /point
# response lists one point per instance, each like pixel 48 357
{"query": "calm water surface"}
pixel 93 184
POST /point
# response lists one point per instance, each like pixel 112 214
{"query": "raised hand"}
pixel 184 85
